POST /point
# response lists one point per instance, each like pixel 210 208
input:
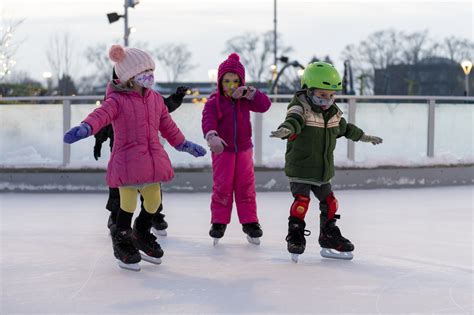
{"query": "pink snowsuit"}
pixel 233 170
pixel 137 155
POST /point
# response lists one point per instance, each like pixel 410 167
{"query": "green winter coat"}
pixel 314 132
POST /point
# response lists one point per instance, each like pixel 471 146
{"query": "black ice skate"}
pixel 146 243
pixel 127 255
pixel 112 220
pixel 253 231
pixel 333 244
pixel 217 231
pixel 296 237
pixel 159 225
pixel 113 205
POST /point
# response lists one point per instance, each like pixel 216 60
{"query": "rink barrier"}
pixel 200 180
pixel 68 101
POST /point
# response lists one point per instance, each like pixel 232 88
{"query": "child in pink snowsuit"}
pixel 228 131
pixel 138 162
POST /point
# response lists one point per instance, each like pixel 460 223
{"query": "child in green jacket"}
pixel 312 125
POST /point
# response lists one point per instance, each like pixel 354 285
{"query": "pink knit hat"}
pixel 231 64
pixel 129 61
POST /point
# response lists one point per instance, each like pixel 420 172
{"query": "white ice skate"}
pixel 253 240
pixel 133 267
pixel 150 259
pixel 159 232
pixel 332 253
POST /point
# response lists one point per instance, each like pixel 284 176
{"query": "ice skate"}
pixel 159 225
pixel 253 231
pixel 333 244
pixel 112 219
pixel 217 232
pixel 125 252
pixel 146 243
pixel 296 237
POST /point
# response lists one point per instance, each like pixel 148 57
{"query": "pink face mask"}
pixel 145 79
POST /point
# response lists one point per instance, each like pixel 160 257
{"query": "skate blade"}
pixel 253 240
pixel 150 259
pixel 294 258
pixel 332 253
pixel 159 232
pixel 215 241
pixel 133 267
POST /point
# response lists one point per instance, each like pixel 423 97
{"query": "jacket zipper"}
pixel 325 143
pixel 235 125
pixel 148 130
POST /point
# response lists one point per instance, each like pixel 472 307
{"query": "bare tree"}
pixel 8 46
pixel 457 49
pixel 175 59
pixel 61 54
pixel 62 59
pixel 97 56
pixel 414 47
pixel 256 52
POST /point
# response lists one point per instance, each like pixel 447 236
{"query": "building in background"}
pixel 431 76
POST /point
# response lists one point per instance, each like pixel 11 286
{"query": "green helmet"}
pixel 321 75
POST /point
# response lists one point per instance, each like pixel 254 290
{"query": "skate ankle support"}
pixel 300 206
pixel 332 206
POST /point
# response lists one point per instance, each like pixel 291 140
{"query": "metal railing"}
pixel 258 122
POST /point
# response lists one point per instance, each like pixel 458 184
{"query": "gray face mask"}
pixel 318 101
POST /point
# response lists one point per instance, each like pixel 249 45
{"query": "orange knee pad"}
pixel 300 206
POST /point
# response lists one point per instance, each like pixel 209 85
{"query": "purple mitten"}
pixel 247 92
pixel 192 148
pixel 77 133
pixel 215 143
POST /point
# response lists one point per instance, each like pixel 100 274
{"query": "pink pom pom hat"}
pixel 129 61
pixel 231 64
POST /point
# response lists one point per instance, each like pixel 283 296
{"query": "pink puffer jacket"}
pixel 137 155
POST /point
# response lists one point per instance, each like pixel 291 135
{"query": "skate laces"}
pixel 125 240
pixel 253 226
pixel 297 234
pixel 159 217
pixel 333 230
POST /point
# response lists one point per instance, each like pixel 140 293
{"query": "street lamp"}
pixel 114 17
pixel 277 74
pixel 466 67
pixel 48 77
pixel 212 74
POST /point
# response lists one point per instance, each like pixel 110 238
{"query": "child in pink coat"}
pixel 228 131
pixel 138 162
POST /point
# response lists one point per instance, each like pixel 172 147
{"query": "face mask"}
pixel 229 87
pixel 318 101
pixel 145 79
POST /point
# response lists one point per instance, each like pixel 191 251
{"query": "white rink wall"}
pixel 32 136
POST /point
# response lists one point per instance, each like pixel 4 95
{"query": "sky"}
pixel 310 27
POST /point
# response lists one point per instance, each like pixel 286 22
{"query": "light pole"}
pixel 48 77
pixel 466 67
pixel 288 63
pixel 212 74
pixel 114 17
pixel 275 33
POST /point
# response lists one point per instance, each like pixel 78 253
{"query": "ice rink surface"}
pixel 414 254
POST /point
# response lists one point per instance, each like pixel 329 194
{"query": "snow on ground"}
pixel 413 254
